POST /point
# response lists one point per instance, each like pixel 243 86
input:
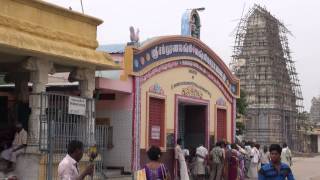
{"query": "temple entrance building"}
pixel 171 87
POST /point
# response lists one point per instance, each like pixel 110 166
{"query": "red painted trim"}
pixel 133 123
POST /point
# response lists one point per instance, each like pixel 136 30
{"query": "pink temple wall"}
pixel 122 101
pixel 114 85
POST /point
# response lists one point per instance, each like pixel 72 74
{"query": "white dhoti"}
pixel 200 168
pixel 179 155
pixel 183 170
pixel 253 170
pixel 201 152
pixel 9 155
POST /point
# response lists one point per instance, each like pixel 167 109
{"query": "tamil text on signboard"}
pixel 77 106
pixel 155 132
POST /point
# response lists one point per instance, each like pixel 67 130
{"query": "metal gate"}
pixel 64 118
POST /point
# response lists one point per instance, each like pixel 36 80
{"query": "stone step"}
pixel 116 174
pixel 2 176
pixel 120 178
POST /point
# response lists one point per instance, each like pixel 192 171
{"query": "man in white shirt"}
pixel 286 156
pixel 18 145
pixel 255 158
pixel 201 154
pixel 181 161
pixel 68 167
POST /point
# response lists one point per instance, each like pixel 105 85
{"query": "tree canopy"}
pixel 242 103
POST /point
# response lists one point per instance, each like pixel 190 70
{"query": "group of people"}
pixel 237 161
pixel 225 161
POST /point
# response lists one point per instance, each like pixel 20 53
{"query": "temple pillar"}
pixel 39 70
pixel 28 163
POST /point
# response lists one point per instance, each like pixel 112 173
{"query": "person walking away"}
pixel 227 155
pixel 275 169
pixel 260 153
pixel 253 170
pixel 18 145
pixel 233 163
pixel 201 154
pixel 286 156
pixel 217 159
pixel 68 167
pixel 180 157
pixel 192 164
pixel 247 158
pixel 155 170
pixel 265 156
pixel 241 157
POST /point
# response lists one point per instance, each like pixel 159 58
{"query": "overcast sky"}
pixel 162 17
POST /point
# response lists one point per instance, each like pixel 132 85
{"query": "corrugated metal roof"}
pixel 119 48
pixel 110 74
pixel 112 48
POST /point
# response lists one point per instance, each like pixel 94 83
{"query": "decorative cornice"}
pixel 40 4
pixel 60 51
pixel 47 33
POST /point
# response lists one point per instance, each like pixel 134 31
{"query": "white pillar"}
pixel 39 70
pixel 87 83
pixel 28 164
pixel 87 87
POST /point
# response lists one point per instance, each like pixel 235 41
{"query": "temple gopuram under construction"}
pixel 262 61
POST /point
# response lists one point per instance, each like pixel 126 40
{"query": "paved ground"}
pixel 306 168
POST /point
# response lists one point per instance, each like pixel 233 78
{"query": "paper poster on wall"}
pixel 155 132
pixel 77 106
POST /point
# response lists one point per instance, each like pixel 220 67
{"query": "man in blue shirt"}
pixel 275 170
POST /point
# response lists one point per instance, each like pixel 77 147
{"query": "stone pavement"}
pixel 306 168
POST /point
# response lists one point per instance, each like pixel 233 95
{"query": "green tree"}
pixel 242 103
pixel 240 128
pixel 241 111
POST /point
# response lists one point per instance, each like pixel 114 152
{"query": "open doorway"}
pixel 4 111
pixel 192 124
